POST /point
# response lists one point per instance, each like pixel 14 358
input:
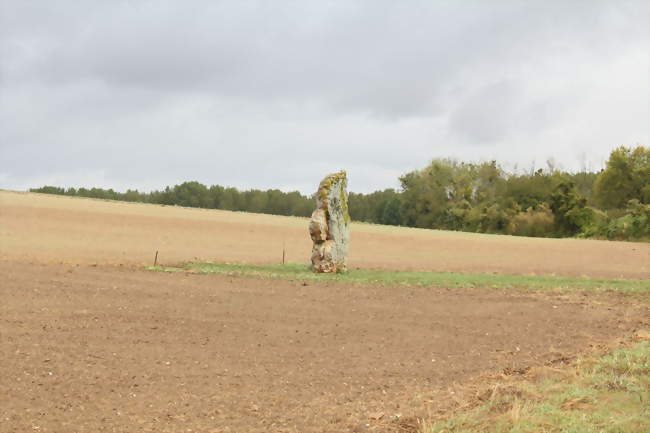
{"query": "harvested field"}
pixel 47 229
pixel 91 342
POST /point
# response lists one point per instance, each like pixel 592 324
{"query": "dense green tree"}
pixel 391 212
pixel 191 194
pixel 530 191
pixel 569 209
pixel 47 189
pixel 132 195
pixel 626 177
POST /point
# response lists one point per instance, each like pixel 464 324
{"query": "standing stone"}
pixel 329 227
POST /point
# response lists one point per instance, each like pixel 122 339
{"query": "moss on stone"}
pixel 344 200
pixel 326 185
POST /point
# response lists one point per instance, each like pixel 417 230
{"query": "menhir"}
pixel 330 225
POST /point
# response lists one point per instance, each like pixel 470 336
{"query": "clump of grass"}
pixel 609 394
pixel 294 271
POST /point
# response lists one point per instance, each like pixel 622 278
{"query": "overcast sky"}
pixel 276 94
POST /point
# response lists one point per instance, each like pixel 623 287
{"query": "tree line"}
pixel 195 194
pixel 453 195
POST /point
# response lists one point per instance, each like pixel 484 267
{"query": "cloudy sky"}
pixel 262 94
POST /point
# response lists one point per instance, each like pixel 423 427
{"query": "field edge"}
pixel 602 392
pixel 302 272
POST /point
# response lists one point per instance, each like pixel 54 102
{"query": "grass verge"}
pixel 607 394
pixel 294 271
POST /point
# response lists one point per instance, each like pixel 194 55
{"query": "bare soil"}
pixel 110 349
pixel 90 342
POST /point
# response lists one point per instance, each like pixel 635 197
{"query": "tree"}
pixel 49 190
pixel 191 194
pixel 391 214
pixel 570 210
pixel 626 177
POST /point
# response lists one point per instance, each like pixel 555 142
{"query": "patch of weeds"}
pixel 609 394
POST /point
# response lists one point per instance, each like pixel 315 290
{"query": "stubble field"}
pixel 92 342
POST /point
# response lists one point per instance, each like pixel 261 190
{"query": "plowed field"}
pixel 90 342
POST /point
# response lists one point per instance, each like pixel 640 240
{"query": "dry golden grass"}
pixel 47 228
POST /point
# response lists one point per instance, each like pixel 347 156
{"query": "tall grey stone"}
pixel 329 227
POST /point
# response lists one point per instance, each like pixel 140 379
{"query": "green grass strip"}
pixel 609 394
pixel 294 271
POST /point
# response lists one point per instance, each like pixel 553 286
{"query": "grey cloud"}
pixel 383 57
pixel 231 91
pixel 488 115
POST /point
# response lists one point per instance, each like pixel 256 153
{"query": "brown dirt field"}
pixel 47 229
pixel 113 349
pixel 90 342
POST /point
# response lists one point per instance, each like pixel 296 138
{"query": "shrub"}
pixel 533 223
pixel 597 225
pixel 634 224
